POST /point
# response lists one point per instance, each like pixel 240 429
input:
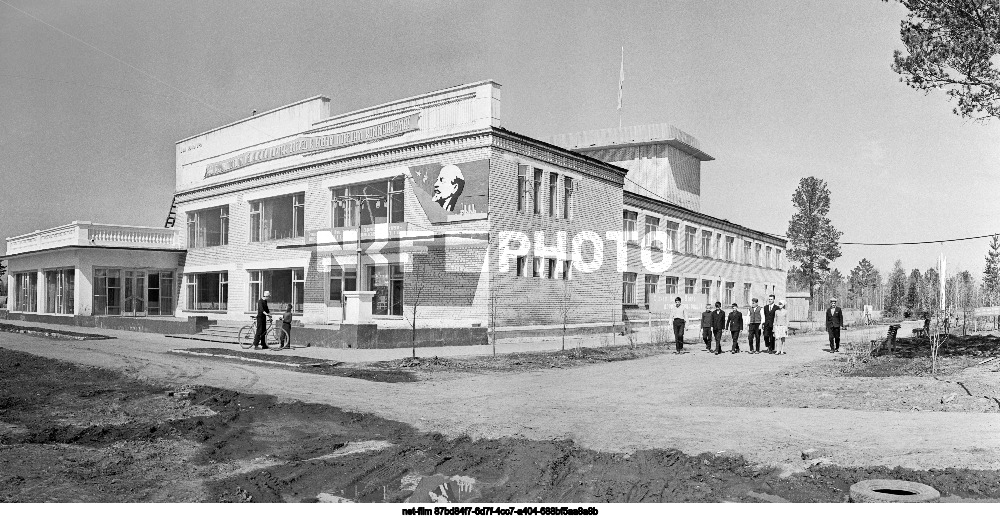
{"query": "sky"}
pixel 94 94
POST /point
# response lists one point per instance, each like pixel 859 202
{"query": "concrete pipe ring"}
pixel 886 491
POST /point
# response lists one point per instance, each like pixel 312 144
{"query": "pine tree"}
pixel 991 274
pixel 913 291
pixel 812 239
pixel 896 290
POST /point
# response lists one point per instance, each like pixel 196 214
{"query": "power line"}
pixel 919 242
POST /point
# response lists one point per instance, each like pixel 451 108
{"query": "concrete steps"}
pixel 226 333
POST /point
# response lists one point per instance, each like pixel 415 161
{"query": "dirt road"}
pixel 694 402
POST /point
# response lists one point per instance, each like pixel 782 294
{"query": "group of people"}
pixel 770 320
pixel 263 318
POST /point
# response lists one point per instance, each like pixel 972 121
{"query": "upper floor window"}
pixel 369 203
pixel 553 194
pixel 747 252
pixel 756 260
pixel 706 243
pixel 652 225
pixel 767 256
pixel 536 193
pixel 689 237
pixel 568 188
pixel 730 246
pixel 671 231
pixel 277 218
pixel 522 188
pixel 208 227
pixel 628 226
pixel 777 258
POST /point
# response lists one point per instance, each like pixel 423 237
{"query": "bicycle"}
pixel 274 336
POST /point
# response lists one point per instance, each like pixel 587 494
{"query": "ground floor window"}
pixel 729 293
pixel 386 280
pixel 133 293
pixel 746 293
pixel 706 290
pixel 651 282
pixel 341 280
pixel 670 286
pixel 689 286
pixel 25 292
pixel 628 287
pixel 286 287
pixel 59 286
pixel 207 291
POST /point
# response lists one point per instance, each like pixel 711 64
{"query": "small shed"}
pixel 798 306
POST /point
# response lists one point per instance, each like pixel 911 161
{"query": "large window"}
pixel 160 292
pixel 767 257
pixel 369 203
pixel 277 218
pixel 207 291
pixel 652 225
pixel 729 293
pixel 777 258
pixel 747 252
pixel 568 187
pixel 522 188
pixel 567 270
pixel 689 285
pixel 59 291
pixel 756 260
pixel 522 270
pixel 706 290
pixel 286 287
pixel 730 248
pixel 550 268
pixel 628 287
pixel 671 231
pixel 689 237
pixel 209 227
pixel 536 193
pixel 706 243
pixel 26 292
pixel 670 286
pixel 341 280
pixel 651 282
pixel 746 293
pixel 107 291
pixel 628 226
pixel 553 194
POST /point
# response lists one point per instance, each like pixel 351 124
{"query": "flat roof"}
pixel 629 136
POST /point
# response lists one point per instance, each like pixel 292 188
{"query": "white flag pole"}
pixel 621 82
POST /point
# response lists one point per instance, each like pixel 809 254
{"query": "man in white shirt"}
pixel 678 315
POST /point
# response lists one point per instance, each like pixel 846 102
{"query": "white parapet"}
pixel 85 233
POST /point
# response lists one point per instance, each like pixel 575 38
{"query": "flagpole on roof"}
pixel 621 82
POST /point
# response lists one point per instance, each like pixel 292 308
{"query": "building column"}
pixel 40 298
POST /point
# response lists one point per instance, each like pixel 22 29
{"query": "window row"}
pixel 531 194
pixel 713 244
pixel 283 217
pixel 59 287
pixel 724 293
pixel 209 291
pixel 544 268
pixel 133 293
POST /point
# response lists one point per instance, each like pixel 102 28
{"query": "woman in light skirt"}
pixel 781 326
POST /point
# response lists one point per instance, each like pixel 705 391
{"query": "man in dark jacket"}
pixel 769 310
pixel 734 323
pixel 263 315
pixel 834 321
pixel 706 327
pixel 718 325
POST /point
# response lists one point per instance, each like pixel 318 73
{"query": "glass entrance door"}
pixel 386 280
pixel 134 293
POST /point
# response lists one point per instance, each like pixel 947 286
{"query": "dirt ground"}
pixel 81 434
pixel 574 432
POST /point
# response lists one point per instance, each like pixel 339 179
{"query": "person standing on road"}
pixel 678 315
pixel 263 315
pixel 834 321
pixel 734 323
pixel 755 318
pixel 706 327
pixel 781 326
pixel 769 311
pixel 286 324
pixel 718 325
